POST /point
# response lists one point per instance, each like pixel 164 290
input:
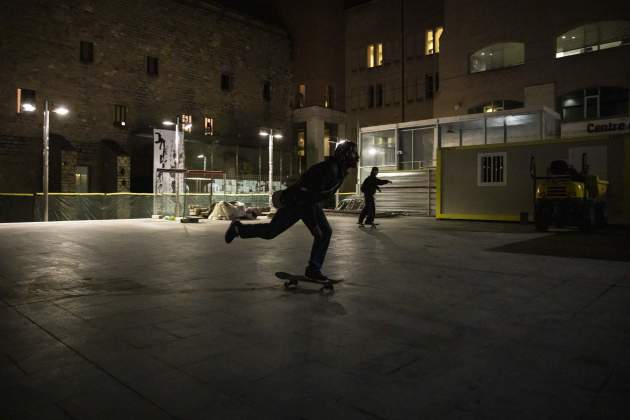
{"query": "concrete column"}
pixel 314 140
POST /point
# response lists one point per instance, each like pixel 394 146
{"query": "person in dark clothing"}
pixel 368 188
pixel 302 201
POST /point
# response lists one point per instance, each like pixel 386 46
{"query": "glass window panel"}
pixel 497 56
pixel 438 34
pixel 370 55
pixel 449 134
pixel 592 108
pixel 495 130
pixel 522 127
pixel 593 37
pixel 378 148
pixel 405 151
pixel 423 146
pixel 472 132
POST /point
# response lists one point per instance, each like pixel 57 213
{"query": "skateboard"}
pixel 373 225
pixel 291 281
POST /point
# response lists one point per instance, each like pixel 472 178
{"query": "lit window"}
pixel 374 55
pixel 370 56
pixel 495 106
pixel 593 37
pixel 120 115
pixel 497 56
pixel 438 35
pixel 25 100
pixel 186 120
pixel 152 66
pixel 491 169
pixel 86 52
pixel 208 126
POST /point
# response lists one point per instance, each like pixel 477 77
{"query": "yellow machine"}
pixel 567 197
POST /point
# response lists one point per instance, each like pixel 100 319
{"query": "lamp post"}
pixel 60 110
pixel 271 135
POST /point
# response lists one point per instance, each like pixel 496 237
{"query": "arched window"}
pixel 496 105
pixel 593 37
pixel 497 56
pixel 593 103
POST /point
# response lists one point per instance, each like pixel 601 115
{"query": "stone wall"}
pixel 194 43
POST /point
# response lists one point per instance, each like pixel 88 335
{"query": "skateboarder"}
pixel 302 201
pixel 369 187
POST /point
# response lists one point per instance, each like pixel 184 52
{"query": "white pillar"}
pixel 270 168
pixel 46 153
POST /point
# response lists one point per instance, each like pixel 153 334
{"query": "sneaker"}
pixel 361 225
pixel 315 275
pixel 232 231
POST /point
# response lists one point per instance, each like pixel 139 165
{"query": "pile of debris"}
pixel 233 210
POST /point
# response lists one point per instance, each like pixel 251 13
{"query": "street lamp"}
pixel 270 133
pixel 59 110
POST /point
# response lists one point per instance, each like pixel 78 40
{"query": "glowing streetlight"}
pixel 271 135
pixel 59 110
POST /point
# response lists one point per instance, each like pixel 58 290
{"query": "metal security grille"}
pixel 492 169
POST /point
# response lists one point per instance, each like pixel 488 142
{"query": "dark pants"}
pixel 314 219
pixel 369 210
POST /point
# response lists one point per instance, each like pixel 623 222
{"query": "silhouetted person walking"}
pixel 302 201
pixel 368 188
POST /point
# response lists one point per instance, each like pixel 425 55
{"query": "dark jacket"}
pixel 318 183
pixel 370 185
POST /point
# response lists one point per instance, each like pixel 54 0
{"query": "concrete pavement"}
pixel 435 320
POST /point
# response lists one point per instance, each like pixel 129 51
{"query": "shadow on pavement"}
pixel 611 244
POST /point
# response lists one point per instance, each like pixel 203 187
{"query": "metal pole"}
pixel 176 167
pixel 270 167
pixel 46 150
pixel 204 162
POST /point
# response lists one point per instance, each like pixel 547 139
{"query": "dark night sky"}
pixel 266 9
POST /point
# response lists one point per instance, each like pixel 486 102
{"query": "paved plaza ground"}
pixel 151 319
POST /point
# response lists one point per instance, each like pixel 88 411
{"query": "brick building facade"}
pixel 122 68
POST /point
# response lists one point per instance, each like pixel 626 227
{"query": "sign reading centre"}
pixel 596 127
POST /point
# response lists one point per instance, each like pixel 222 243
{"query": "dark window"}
pixel 152 66
pixel 593 103
pixel 378 95
pixel 25 98
pixel 120 115
pixel 86 52
pixel 370 95
pixel 267 90
pixel 329 97
pixel 428 86
pixel 227 81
